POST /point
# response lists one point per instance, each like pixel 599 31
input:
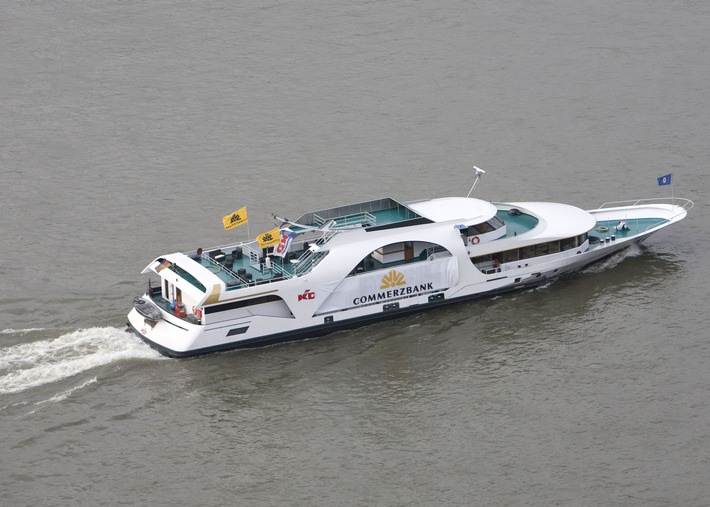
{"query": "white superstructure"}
pixel 356 264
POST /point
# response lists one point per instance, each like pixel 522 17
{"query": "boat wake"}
pixel 27 365
pixel 611 262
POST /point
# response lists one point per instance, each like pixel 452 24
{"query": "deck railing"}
pixel 277 268
pixel 307 261
pixel 253 255
pixel 349 220
pixel 685 204
pixel 221 266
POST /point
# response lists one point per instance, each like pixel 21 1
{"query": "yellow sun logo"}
pixel 392 279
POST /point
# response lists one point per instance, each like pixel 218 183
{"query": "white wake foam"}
pixel 33 364
pixel 614 260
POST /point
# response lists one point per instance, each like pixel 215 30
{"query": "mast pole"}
pixel 479 172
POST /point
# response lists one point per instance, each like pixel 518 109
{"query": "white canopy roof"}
pixel 556 221
pixel 454 208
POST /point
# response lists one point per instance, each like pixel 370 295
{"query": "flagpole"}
pixel 668 180
pixel 672 197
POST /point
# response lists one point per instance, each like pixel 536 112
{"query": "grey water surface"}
pixel 128 129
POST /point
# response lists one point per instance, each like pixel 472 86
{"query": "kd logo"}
pixel 307 295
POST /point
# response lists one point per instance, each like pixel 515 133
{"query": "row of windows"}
pixel 528 252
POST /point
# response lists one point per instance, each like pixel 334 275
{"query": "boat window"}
pixel 472 231
pixel 241 304
pixel 511 256
pixel 529 252
pixel 403 252
pixel 484 227
pixel 568 243
pixel 496 222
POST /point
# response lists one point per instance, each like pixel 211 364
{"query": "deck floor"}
pixel 607 228
pixel 239 272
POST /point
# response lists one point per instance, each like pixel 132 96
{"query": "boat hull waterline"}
pixel 358 264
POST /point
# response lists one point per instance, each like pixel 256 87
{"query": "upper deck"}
pixel 243 264
pixel 375 214
pixel 517 223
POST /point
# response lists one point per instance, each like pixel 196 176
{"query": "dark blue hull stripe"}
pixel 332 327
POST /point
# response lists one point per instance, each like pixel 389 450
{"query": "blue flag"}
pixel 664 180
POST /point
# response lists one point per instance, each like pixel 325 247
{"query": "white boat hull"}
pixel 319 303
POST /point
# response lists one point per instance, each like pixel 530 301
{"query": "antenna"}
pixel 479 172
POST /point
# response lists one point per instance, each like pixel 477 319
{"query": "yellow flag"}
pixel 235 219
pixel 269 238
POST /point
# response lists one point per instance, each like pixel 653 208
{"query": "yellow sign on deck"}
pixel 235 219
pixel 269 238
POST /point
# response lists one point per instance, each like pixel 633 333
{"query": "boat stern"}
pixel 170 335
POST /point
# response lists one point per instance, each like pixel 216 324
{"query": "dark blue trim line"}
pixel 328 328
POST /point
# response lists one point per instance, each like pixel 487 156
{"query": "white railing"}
pixel 685 204
pixel 220 266
pixel 253 254
pixel 360 218
pixel 280 270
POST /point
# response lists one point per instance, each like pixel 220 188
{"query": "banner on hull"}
pixel 384 285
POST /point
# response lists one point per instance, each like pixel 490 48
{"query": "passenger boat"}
pixel 353 265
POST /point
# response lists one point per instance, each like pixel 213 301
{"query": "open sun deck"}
pixel 378 213
pixel 243 264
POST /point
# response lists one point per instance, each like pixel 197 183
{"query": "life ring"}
pixel 475 240
pixel 602 228
pixel 197 312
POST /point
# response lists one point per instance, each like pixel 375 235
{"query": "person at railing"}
pixel 496 263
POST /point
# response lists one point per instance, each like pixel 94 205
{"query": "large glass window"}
pixel 529 252
pixel 568 243
pixel 402 252
pixel 484 227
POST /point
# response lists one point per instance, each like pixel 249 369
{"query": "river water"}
pixel 128 129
